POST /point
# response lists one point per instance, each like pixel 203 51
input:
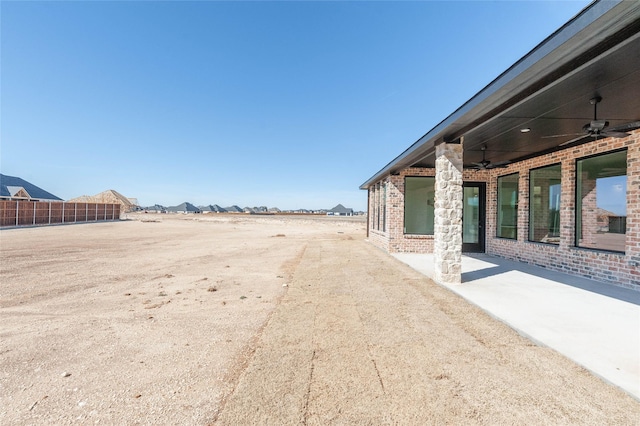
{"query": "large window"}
pixel 374 207
pixel 378 206
pixel 601 201
pixel 544 204
pixel 507 226
pixel 384 207
pixel 419 195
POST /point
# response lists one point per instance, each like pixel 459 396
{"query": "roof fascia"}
pixel 589 27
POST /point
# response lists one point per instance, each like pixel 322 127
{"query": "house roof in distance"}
pixel 212 208
pixel 234 209
pixel 10 186
pixel 184 207
pixel 341 209
pixel 109 196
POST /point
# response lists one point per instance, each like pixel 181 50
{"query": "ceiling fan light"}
pixel 525 130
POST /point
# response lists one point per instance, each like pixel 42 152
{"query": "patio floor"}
pixel 594 324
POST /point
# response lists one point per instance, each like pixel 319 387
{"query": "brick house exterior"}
pixel 617 268
pixel 548 92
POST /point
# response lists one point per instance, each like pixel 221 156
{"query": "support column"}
pixel 447 250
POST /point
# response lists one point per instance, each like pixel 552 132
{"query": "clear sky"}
pixel 290 104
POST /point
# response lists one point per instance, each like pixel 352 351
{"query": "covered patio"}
pixel 527 168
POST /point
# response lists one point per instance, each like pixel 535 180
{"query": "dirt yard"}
pixel 260 320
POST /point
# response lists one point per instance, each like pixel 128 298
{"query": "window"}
pixel 544 204
pixel 507 226
pixel 378 206
pixel 374 204
pixel 601 201
pixel 384 207
pixel 419 195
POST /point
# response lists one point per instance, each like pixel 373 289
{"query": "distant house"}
pixel 109 196
pixel 234 209
pixel 274 210
pixel 340 210
pixel 15 188
pixel 183 208
pixel 610 222
pixel 156 208
pixel 211 208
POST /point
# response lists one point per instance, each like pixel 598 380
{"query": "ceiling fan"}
pixel 598 128
pixel 486 164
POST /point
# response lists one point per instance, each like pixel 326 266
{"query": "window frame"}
pixel 531 194
pixel 517 206
pixel 378 206
pixel 384 206
pixel 433 179
pixel 578 203
pixel 373 207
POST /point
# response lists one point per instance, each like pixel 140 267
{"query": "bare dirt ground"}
pixel 185 321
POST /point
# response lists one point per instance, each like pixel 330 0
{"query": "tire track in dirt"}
pixel 242 361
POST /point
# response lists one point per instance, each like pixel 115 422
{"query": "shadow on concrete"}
pixel 496 266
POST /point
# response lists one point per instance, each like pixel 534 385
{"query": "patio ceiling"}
pixel 548 91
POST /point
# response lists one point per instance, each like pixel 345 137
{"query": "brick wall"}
pixel 622 269
pixel 393 239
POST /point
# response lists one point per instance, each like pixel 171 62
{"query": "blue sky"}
pixel 611 194
pixel 289 104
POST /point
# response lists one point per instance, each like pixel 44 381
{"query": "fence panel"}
pixel 69 212
pixel 91 212
pixel 56 212
pixel 41 213
pixel 110 212
pixel 81 212
pixel 100 211
pixel 8 213
pixel 24 213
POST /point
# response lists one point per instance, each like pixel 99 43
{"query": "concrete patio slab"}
pixel 594 324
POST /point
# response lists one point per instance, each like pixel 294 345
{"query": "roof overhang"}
pixel 597 53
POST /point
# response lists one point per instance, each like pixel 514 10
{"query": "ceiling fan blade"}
pixel 575 140
pixel 598 128
pixel 625 127
pixel 560 136
pixel 614 134
pixel 500 164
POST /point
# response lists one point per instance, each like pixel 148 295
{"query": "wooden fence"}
pixel 29 213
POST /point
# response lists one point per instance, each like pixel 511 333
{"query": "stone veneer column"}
pixel 447 250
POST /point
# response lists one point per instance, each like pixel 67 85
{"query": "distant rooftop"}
pixel 14 187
